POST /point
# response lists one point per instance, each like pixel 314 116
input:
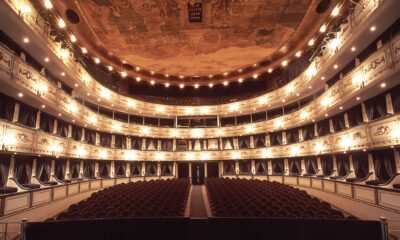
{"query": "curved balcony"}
pixel 377 134
pixel 379 67
pixel 362 13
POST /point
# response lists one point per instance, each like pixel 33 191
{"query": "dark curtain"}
pixel 295 165
pixel 376 107
pixel 104 168
pixel 395 95
pixel 90 136
pixel 259 140
pixel 74 166
pixel 4 169
pixel 105 139
pixel 323 127
pixel 226 140
pixel 43 169
pixel 136 143
pixel 384 164
pixel 245 167
pixel 338 122
pixel 261 167
pixel 60 168
pixel 355 116
pixel 23 170
pixel 27 116
pixel 76 133
pixel 244 142
pixel 62 128
pixel 343 164
pixel 166 144
pixel 276 138
pixel 46 122
pixel 166 168
pixel 229 167
pixel 120 141
pixel 136 168
pixel 151 168
pixel 120 168
pixel 7 107
pixel 277 166
pixel 89 168
pixel 151 140
pixel 308 132
pixel 292 136
pixel 311 165
pixel 327 164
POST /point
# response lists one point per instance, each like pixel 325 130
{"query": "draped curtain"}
pixel 343 164
pixel 120 168
pixel 244 142
pixel 259 140
pixel 384 164
pixel 227 143
pixel 295 166
pixel 395 95
pixel 4 169
pixel 360 164
pixel 229 167
pixel 89 167
pixel 136 168
pixel 90 136
pixel 46 123
pixel 43 168
pixel 323 127
pixel 74 166
pixel 292 136
pixel 261 167
pixel 308 132
pixel 277 166
pixel 276 138
pixel 23 170
pixel 355 116
pixel 166 168
pixel 62 128
pixel 6 108
pixel 105 140
pixel 136 143
pixel 245 167
pixel 338 122
pixel 120 141
pixel 76 133
pixel 166 144
pixel 104 168
pixel 151 168
pixel 151 144
pixel 376 107
pixel 60 168
pixel 27 116
pixel 311 165
pixel 327 164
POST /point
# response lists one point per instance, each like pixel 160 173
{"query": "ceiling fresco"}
pixel 157 34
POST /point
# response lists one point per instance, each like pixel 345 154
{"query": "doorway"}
pixel 212 169
pixel 183 170
pixel 197 173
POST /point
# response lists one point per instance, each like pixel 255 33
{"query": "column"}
pixel 128 143
pixel 253 167
pixel 128 169
pixel 300 132
pixel 335 165
pixel 286 166
pixel 351 164
pixel 269 162
pixel 55 126
pixel 159 144
pixel 220 168
pixel 159 169
pixel 34 167
pixel 267 140
pixel 67 168
pixel 174 144
pixel 16 114
pixel 303 166
pixel 143 168
pixel 175 169
pixel 69 135
pixel 316 130
pixel 97 139
pixel 37 126
pixel 113 141
pixel 397 160
pixel 371 163
pixel 331 129
pixel 112 169
pixel 11 169
pixel 251 141
pixel 52 168
pixel 389 104
pixel 235 143
pixel 237 168
pixel 190 171
pixel 284 141
pixel 96 169
pixel 205 170
pixel 346 120
pixel 81 168
pixel 83 135
pixel 364 113
pixel 144 144
pixel 319 164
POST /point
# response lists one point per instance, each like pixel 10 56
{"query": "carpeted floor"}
pixel 197 206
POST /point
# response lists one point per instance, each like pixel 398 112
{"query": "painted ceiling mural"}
pixel 157 35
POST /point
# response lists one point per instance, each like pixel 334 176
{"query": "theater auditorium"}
pixel 199 119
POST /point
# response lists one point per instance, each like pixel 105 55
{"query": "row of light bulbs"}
pixel 333 44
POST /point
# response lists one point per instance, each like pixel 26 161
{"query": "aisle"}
pixel 197 206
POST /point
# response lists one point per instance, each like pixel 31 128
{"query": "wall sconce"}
pixel 190 156
pixel 319 147
pixel 289 89
pixel 263 100
pixel 250 129
pixel 130 155
pixel 116 127
pixel 189 111
pixel 105 93
pixel 266 153
pixel 131 104
pixel 81 152
pixel 334 44
pixel 72 108
pixel 234 107
pixel 103 154
pixel 359 79
pixel 56 149
pixel 327 101
pixel 8 142
pixel 236 155
pixel 204 110
pixel 93 119
pixel 278 123
pixel 396 133
pixel 311 71
pixel 346 143
pixel 145 131
pixel 295 151
pixel 205 156
pixel 304 115
pixel 197 133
